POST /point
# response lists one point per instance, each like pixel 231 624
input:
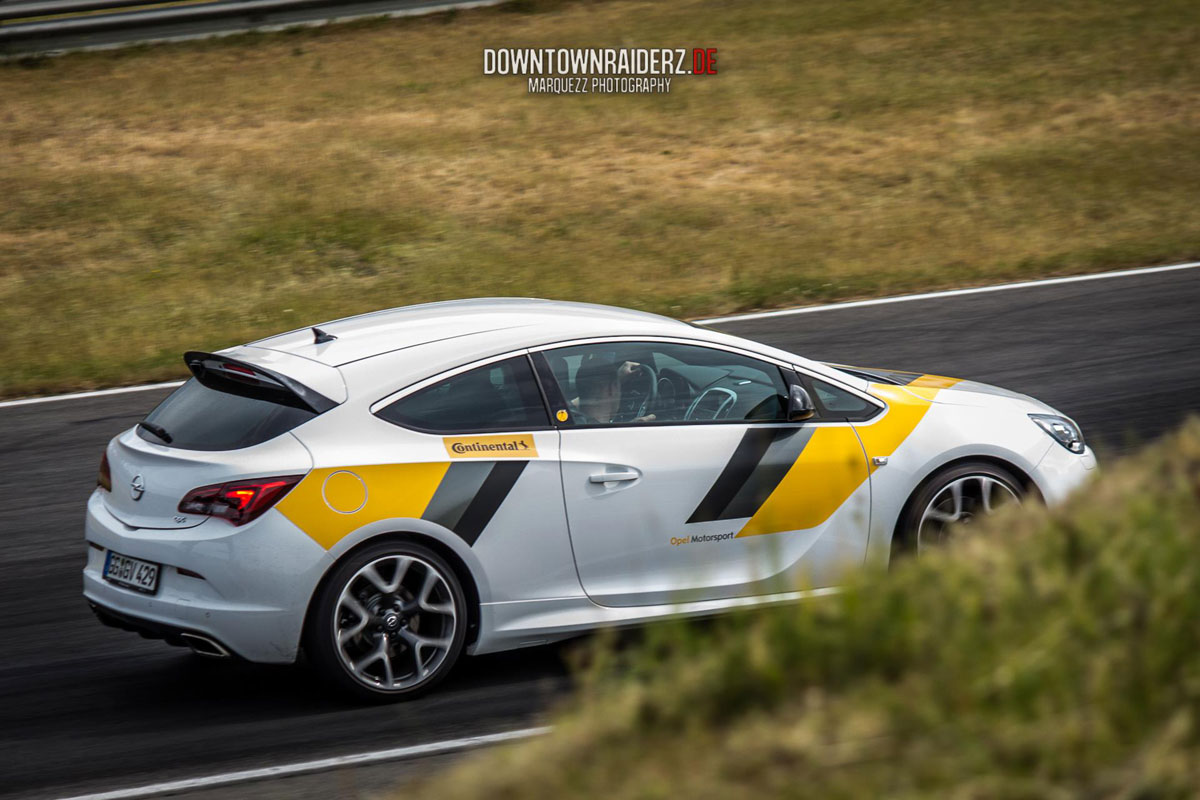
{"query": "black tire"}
pixel 321 635
pixel 908 540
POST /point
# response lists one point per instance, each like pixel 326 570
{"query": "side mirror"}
pixel 800 404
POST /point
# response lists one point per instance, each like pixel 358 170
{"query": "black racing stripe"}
pixel 892 376
pixel 772 467
pixel 742 465
pixel 458 488
pixel 487 500
pixel 897 377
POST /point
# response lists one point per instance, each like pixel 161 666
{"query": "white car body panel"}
pixel 548 551
pixel 633 548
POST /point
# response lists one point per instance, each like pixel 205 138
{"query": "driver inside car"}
pixel 600 385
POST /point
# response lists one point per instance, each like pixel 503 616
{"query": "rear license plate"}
pixel 132 573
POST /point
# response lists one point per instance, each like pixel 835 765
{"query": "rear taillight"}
pixel 104 477
pixel 239 501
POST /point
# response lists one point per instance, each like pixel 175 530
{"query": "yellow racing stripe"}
pixel 927 386
pixel 905 409
pixel 833 460
pixel 932 382
pixel 328 504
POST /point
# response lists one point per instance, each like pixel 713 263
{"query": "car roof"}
pixel 533 321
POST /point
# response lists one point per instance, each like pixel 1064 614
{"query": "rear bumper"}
pixel 171 634
pixel 252 594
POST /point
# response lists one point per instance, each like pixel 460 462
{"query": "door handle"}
pixel 606 477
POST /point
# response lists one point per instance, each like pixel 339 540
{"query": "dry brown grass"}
pixel 1047 654
pixel 203 194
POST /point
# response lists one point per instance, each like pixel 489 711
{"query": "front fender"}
pixel 950 433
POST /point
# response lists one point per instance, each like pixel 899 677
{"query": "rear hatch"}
pixel 231 421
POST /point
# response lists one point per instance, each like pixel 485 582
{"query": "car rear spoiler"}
pixel 242 378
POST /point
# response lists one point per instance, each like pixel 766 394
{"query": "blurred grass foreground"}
pixel 198 195
pixel 1047 654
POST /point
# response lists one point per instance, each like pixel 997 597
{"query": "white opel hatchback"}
pixel 389 490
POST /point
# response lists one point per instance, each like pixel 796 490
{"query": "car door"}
pixel 479 459
pixel 695 486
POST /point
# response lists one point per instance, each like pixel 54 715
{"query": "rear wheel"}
pixel 390 622
pixel 956 496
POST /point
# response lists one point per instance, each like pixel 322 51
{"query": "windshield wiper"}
pixel 157 430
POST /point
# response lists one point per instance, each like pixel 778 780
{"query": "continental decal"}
pixel 771 475
pixel 331 503
pixel 520 446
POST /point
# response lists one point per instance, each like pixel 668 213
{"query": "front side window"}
pixel 502 396
pixel 630 383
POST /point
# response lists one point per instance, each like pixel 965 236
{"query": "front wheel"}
pixel 955 496
pixel 390 622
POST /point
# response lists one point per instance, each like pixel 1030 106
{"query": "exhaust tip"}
pixel 204 646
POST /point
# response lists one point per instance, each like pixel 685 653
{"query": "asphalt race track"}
pixel 84 708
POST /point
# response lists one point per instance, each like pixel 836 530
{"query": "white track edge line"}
pixel 877 301
pixel 303 767
pixel 28 401
pixel 904 298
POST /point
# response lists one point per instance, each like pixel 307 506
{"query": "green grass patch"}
pixel 200 194
pixel 1045 654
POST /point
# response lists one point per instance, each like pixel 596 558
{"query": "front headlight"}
pixel 1062 430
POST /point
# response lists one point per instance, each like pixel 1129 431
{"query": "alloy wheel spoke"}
pixel 940 516
pixel 375 579
pixel 423 600
pixel 389 676
pixel 956 494
pixel 370 658
pixel 346 634
pixel 417 643
pixel 417 640
pixel 986 485
pixel 432 579
pixel 438 608
pixel 350 603
pixel 371 573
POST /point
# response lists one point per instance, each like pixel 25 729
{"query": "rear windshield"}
pixel 196 417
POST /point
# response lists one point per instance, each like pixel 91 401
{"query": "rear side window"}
pixel 503 396
pixel 197 417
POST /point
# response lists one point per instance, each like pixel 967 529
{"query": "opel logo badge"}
pixel 137 487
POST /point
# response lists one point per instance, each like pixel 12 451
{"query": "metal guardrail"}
pixel 46 26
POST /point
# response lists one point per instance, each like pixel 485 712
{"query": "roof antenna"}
pixel 321 337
